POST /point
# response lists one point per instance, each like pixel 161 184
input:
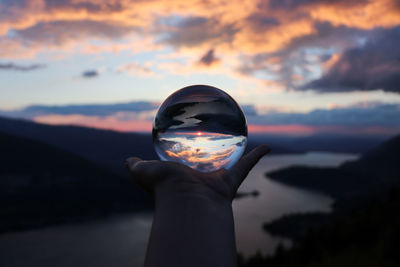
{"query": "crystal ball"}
pixel 202 127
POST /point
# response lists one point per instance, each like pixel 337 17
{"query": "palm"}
pixel 149 174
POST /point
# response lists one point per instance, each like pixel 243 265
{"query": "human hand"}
pixel 163 177
pixel 193 220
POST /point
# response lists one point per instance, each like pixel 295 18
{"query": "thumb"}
pixel 241 169
pixel 138 173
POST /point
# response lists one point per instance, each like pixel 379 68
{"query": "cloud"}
pixel 125 117
pixel 201 150
pixel 281 42
pixel 209 58
pixel 305 57
pixel 261 22
pixel 62 32
pixel 373 66
pixel 17 67
pixel 90 74
pixel 106 123
pixel 195 31
pixel 136 69
pixel 357 115
pixel 89 109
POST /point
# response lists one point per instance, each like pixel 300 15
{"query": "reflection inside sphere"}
pixel 202 127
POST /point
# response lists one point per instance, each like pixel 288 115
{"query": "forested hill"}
pixel 108 149
pixel 373 172
pixel 42 185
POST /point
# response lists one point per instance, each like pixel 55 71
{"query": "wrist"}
pixel 174 190
pixel 193 226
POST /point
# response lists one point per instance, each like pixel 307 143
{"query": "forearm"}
pixel 191 230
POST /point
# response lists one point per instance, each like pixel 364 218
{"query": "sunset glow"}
pixel 297 57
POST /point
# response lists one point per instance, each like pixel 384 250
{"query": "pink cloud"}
pixel 108 122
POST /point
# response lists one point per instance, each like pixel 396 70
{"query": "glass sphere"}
pixel 202 127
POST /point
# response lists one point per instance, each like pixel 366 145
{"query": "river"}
pixel 121 241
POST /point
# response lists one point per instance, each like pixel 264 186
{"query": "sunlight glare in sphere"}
pixel 202 127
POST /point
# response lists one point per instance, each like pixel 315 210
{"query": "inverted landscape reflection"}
pixel 203 151
pixel 202 127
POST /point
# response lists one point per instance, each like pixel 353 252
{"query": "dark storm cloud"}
pixel 209 58
pixel 99 110
pixel 91 110
pixel 363 114
pixel 373 66
pixel 90 74
pixel 17 67
pixel 294 58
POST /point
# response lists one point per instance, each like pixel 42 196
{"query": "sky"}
pixel 295 66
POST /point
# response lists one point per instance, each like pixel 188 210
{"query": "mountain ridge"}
pixel 44 185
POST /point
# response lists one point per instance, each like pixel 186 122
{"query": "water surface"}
pixel 276 199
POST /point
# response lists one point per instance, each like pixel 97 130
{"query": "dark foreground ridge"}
pixel 352 185
pixel 364 228
pixel 42 185
pixel 373 173
pixel 368 236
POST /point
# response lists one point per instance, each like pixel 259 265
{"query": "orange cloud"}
pixel 194 156
pixel 273 39
pixel 200 156
pixel 367 15
pixel 235 30
pixel 256 27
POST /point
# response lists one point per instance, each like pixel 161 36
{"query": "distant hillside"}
pixel 41 185
pixel 374 171
pixel 109 149
pixel 383 161
pixel 326 142
pixel 353 185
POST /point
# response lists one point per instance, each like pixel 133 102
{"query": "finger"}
pixel 130 162
pixel 141 173
pixel 246 163
pixel 147 173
